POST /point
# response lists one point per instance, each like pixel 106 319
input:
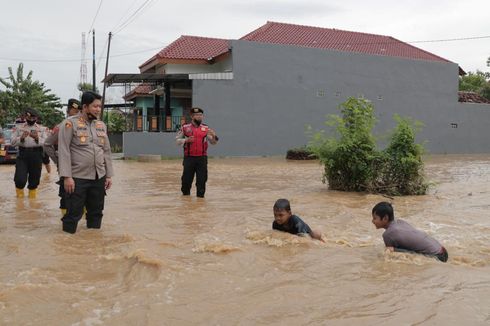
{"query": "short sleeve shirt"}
pixel 294 225
pixel 402 235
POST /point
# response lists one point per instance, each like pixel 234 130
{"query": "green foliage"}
pixel 477 82
pixel 352 162
pixel 115 120
pixel 82 87
pixel 22 92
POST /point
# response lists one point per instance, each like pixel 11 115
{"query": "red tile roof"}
pixel 334 39
pixel 471 97
pixel 142 89
pixel 192 48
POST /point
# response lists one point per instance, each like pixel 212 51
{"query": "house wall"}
pixel 277 90
pixel 220 66
pixel 153 143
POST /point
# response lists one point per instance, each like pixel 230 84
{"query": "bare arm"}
pixel 317 235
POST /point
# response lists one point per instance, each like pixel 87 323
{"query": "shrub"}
pixel 301 153
pixel 352 162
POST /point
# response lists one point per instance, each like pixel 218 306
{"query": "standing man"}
pixel 194 137
pixel 51 147
pixel 84 159
pixel 29 136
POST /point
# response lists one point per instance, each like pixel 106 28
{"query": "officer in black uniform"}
pixel 29 136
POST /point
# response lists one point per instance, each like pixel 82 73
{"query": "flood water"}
pixel 164 259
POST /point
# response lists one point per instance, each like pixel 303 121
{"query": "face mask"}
pixel 31 122
pixel 90 116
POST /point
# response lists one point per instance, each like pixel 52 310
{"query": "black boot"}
pixel 70 227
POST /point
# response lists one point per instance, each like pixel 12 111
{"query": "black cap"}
pixel 196 110
pixel 74 103
pixel 31 112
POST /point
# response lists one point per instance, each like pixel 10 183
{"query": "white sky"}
pixel 33 30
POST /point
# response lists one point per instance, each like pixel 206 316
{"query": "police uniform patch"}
pixel 203 128
pixel 68 124
pixel 83 139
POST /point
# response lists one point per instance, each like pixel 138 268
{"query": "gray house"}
pixel 259 92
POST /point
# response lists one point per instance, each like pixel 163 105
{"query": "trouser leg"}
pixel 20 177
pixel 188 175
pixel 95 203
pixel 45 158
pixel 35 165
pixel 74 205
pixel 62 193
pixel 201 175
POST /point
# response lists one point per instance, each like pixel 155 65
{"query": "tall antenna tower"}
pixel 83 62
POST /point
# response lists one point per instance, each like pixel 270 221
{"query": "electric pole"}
pixel 93 60
pixel 105 75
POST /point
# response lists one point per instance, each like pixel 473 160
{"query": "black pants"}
pixel 28 166
pixel 45 158
pixel 88 193
pixel 197 165
pixel 62 193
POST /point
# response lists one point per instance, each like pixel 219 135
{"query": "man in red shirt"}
pixel 194 137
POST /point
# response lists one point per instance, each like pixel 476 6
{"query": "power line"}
pixel 453 39
pixel 95 17
pixel 133 16
pixel 124 15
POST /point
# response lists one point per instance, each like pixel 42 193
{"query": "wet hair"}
pixel 88 97
pixel 282 204
pixel 382 209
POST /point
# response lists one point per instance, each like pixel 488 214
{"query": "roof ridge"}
pixel 329 28
pixel 203 37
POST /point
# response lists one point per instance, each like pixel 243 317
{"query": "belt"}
pixel 30 149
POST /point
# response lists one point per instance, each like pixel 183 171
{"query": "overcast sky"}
pixel 46 35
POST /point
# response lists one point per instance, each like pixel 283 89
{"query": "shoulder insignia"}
pixel 68 124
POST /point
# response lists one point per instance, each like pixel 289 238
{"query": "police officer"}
pixel 51 147
pixel 194 137
pixel 29 136
pixel 84 160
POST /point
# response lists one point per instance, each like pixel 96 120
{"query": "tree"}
pixel 116 121
pixel 478 82
pixel 22 92
pixel 353 163
pixel 82 87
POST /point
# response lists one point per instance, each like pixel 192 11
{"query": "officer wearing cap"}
pixel 85 164
pixel 51 147
pixel 194 137
pixel 29 136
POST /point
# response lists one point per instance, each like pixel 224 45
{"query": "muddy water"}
pixel 162 259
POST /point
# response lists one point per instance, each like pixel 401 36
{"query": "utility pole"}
pixel 93 60
pixel 83 64
pixel 105 75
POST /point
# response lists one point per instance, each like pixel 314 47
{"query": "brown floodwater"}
pixel 162 259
